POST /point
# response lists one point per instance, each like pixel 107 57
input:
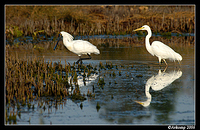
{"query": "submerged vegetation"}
pixel 101 19
pixel 29 79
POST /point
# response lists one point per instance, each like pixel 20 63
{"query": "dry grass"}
pixel 101 19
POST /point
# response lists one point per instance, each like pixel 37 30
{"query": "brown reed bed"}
pixel 31 78
pixel 102 19
pixel 27 79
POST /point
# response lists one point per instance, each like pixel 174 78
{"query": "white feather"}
pixel 78 47
pixel 158 48
pixel 67 36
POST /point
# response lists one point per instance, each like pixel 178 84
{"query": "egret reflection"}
pixel 158 82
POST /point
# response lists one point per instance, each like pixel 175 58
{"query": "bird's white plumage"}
pixel 83 47
pixel 158 82
pixel 68 37
pixel 158 48
pixel 164 52
pixel 78 47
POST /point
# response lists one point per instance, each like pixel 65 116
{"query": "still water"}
pixel 137 90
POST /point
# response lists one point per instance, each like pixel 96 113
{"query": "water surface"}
pixel 135 77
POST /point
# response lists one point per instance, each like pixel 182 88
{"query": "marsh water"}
pixel 136 91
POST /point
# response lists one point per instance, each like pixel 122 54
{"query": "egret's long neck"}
pixel 147 44
pixel 148 95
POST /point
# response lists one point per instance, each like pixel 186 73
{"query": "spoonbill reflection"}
pixel 158 82
pixel 78 47
pixel 81 81
pixel 159 49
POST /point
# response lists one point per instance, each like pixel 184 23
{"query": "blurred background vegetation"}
pixel 23 20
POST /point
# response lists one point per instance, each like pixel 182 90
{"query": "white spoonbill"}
pixel 159 49
pixel 78 47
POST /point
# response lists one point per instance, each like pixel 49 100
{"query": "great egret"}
pixel 159 49
pixel 158 82
pixel 78 47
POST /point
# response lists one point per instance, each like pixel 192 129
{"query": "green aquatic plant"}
pixel 101 82
pixel 115 82
pixel 29 105
pixel 75 78
pixel 109 65
pixel 120 73
pixel 139 76
pixel 112 96
pixel 15 31
pixel 12 118
pixel 101 65
pixel 98 106
pixel 81 105
pixel 33 107
pixel 89 94
pixel 76 95
pixel 113 74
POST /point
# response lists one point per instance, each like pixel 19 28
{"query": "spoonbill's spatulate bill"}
pixel 57 42
pixel 78 47
pixel 159 49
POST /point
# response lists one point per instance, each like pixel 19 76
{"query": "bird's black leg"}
pixel 89 56
pixel 80 59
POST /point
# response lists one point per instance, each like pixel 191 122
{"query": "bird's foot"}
pixel 79 61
